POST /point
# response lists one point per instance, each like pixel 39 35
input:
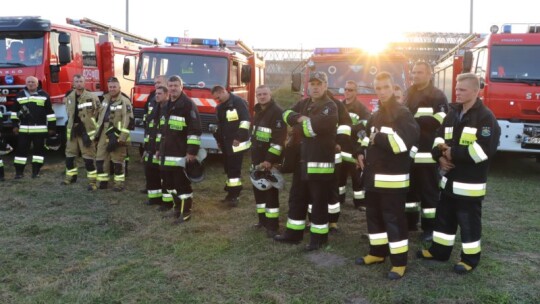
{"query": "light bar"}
pixel 322 51
pixel 191 41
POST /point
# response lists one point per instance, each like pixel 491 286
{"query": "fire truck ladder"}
pixel 237 46
pixel 466 43
pixel 99 27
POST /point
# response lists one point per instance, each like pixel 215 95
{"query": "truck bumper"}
pixel 519 137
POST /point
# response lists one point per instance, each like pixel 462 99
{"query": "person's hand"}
pixel 338 148
pixel 52 133
pixel 16 131
pixel 121 142
pixel 360 163
pixel 266 165
pixel 448 153
pixel 301 119
pixel 191 157
pixel 236 143
pixel 446 164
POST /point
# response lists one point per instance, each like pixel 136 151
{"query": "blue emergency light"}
pixel 9 79
pixel 322 51
pixel 507 29
pixel 172 40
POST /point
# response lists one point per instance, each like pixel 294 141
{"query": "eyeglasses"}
pixel 350 90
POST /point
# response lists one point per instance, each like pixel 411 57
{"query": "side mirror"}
pixel 245 76
pixel 64 54
pixel 126 67
pixel 467 62
pixel 296 82
pixel 64 38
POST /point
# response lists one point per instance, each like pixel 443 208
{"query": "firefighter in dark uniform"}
pixel 156 107
pixel 5 148
pixel 429 106
pixel 359 114
pixel 384 157
pixel 232 136
pixel 464 147
pixel 114 121
pixel 33 120
pixel 82 109
pixel 267 141
pixel 181 132
pixel 314 120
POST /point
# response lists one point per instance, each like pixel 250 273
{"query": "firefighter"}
pixel 267 141
pixel 429 105
pixel 359 114
pixel 398 94
pixel 5 148
pixel 464 147
pixel 384 157
pixel 180 126
pixel 232 136
pixel 82 109
pixel 33 120
pixel 114 120
pixel 314 122
pixel 156 107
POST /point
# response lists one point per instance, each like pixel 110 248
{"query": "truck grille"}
pixel 207 119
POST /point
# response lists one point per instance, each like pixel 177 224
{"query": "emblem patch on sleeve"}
pixel 486 131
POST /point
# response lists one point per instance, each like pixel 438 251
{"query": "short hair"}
pixel 352 82
pixel 384 76
pixel 163 88
pixel 470 77
pixel 397 88
pixel 426 65
pixel 263 86
pixel 113 79
pixel 78 76
pixel 217 89
pixel 176 78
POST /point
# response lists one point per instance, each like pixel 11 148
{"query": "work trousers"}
pixel 176 184
pixel 451 213
pixel 349 169
pixel 233 168
pixel 1 169
pixel 387 226
pixel 25 141
pixel 267 203
pixel 153 180
pixel 424 194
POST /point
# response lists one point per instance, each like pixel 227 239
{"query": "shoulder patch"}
pixel 193 114
pixel 486 131
pixel 278 124
pixel 326 111
pixel 128 107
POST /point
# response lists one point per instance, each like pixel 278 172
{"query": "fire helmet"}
pixel 53 142
pixel 195 170
pixel 5 148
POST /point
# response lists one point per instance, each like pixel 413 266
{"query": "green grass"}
pixel 67 245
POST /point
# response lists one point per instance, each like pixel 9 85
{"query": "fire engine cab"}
pixel 342 64
pixel 506 63
pixel 31 46
pixel 202 64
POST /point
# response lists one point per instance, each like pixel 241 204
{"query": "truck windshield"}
pixel 363 73
pixel 195 70
pixel 515 63
pixel 21 49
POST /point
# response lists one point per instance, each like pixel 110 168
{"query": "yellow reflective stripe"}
pixel 399 247
pixel 365 141
pixel 320 168
pixel 242 146
pixel 51 117
pixel 32 129
pixel 275 149
pixel 185 196
pixel 193 140
pixel 308 129
pixel 319 229
pixel 448 133
pixel 260 208
pixel 334 208
pixel 103 177
pixel 38 159
pixel 13 116
pixel 119 178
pixel 413 152
pixel 439 116
pixel 468 136
pixel 233 182
pixel 38 100
pixel 466 189
pixel 296 224
pixel 263 134
pixel 423 112
pixel 359 194
pixel 71 172
pixel 286 115
pixel 397 144
pixel 444 239
pixel 344 129
pixel 84 105
pixel 442 184
pixel 438 141
pixel 424 158
pixel 391 181
pixel 342 190
pixel 271 212
pixel 429 213
pixel 167 198
pixel 337 158
pixel 471 248
pixel 477 153
pixel 412 206
pixel 244 124
pixel 355 118
pixel 348 157
pixel 174 161
pixel 378 239
pixel 20 160
pixel 155 193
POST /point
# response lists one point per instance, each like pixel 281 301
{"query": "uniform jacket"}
pixel 317 136
pixel 152 131
pixel 267 134
pixel 180 126
pixel 344 132
pixel 387 160
pixel 233 123
pixel 115 114
pixel 474 139
pixel 148 106
pixel 87 109
pixel 33 113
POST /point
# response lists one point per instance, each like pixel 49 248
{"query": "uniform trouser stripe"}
pixel 91 175
pixel 428 213
pixel 260 208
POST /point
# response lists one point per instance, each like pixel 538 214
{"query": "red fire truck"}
pixel 507 64
pixel 342 64
pixel 202 64
pixel 31 46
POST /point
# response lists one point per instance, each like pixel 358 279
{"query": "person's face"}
pixel 222 96
pixel 465 92
pixel 350 91
pixel 78 83
pixel 384 89
pixel 31 84
pixel 175 89
pixel 114 89
pixel 159 82
pixel 263 95
pixel 399 95
pixel 317 88
pixel 161 96
pixel 420 75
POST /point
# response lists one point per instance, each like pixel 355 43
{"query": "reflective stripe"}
pixel 359 194
pixel 185 196
pixel 319 229
pixel 173 161
pixel 378 239
pixel 263 134
pixel 177 122
pixel 32 129
pixel 424 158
pixel 468 136
pixel 448 133
pixel 355 118
pixel 117 107
pixel 286 115
pixel 51 117
pixel 103 177
pixel 155 193
pixel 471 248
pixel 172 192
pixel 14 116
pixel 342 190
pixel 91 175
pixel 272 212
pixel 308 129
pixel 167 198
pixel 442 184
pixel 38 100
pixel 242 146
pixel 438 141
pixel 412 153
pixel 334 208
pixel 275 149
pixel 391 181
pixel 412 206
pixel 320 168
pixel 428 213
pixel 295 224
pixel 439 116
pixel 337 158
pixel 20 160
pixel 477 153
pixel 233 182
pixel 71 172
pixel 309 208
pixel 84 105
pixel 365 141
pixel 396 142
pixel 119 178
pixel 423 112
pixel 444 239
pixel 399 247
pixel 465 189
pixel 194 140
pixel 1 163
pixel 347 157
pixel 38 159
pixel 260 208
pixel 244 124
pixel 344 129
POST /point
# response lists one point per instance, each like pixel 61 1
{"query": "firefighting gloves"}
pixel 113 142
pixel 87 142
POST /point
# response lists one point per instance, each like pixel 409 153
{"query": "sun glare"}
pixel 375 43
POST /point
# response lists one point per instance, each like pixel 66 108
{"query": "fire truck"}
pixel 202 64
pixel 506 63
pixel 32 46
pixel 342 64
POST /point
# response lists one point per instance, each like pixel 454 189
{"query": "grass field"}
pixel 63 244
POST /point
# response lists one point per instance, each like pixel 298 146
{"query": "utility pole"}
pixel 471 18
pixel 127 15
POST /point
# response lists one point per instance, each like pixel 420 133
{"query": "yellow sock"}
pixel 332 225
pixel 427 254
pixel 399 270
pixel 371 259
pixel 467 267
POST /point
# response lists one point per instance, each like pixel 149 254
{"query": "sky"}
pixel 288 24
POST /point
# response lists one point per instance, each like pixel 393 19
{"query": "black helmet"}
pixel 53 142
pixel 195 169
